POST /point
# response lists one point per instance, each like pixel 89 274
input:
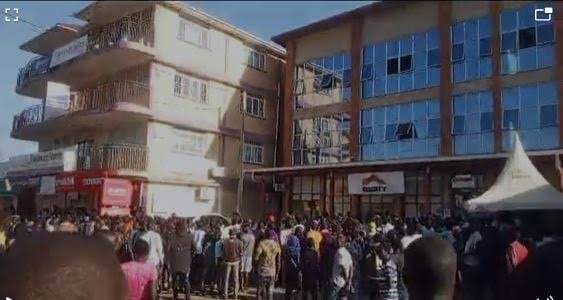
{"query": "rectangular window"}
pixel 485 46
pixel 367 72
pixel 406 63
pixel 253 153
pixel 391 132
pixel 406 131
pixel 510 119
pixel 459 125
pixel 193 33
pixel 346 78
pixel 527 38
pixel 393 66
pixel 548 116
pixel 457 52
pixel 255 59
pixel 326 82
pixel 190 88
pixel 486 121
pixel 433 57
pixel 508 42
pixel 254 106
pixel 434 128
pixel 545 33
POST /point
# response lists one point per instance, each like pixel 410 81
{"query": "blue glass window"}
pixel 471 49
pixel 411 62
pixel 527 41
pixel 402 130
pixel 532 111
pixel 472 123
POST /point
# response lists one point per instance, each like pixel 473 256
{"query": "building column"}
pixel 355 101
pixel 322 202
pixel 496 86
pixel 558 24
pixel 263 198
pixel 427 190
pixel 287 107
pixel 331 198
pixel 355 206
pixel 444 24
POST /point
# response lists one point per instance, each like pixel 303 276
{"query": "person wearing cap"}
pixel 232 248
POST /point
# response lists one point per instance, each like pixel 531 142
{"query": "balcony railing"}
pixel 105 96
pixel 136 27
pixel 30 115
pixel 36 66
pixel 111 157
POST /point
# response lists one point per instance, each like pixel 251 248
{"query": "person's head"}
pixel 232 233
pixel 180 228
pixel 298 231
pixel 310 243
pixel 141 250
pixel 384 251
pixel 69 267
pixel 430 268
pixel 341 240
pixel 270 234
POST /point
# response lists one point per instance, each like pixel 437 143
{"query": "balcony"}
pixel 111 157
pixel 110 48
pixel 108 96
pixel 29 116
pixel 97 108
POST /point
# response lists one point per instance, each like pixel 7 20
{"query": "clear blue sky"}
pixel 263 19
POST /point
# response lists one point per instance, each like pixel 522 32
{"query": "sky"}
pixel 263 19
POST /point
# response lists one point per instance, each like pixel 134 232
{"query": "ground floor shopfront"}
pixel 103 192
pixel 438 187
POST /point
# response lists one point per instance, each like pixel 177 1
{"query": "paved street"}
pixel 278 294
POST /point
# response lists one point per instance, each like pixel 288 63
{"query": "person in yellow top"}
pixel 316 235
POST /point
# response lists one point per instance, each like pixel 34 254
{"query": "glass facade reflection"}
pixel 472 123
pixel 410 63
pixel 401 131
pixel 322 140
pixel 532 111
pixel 471 49
pixel 525 44
pixel 322 81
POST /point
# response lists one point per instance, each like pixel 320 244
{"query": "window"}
pixel 323 140
pixel 190 88
pixel 471 49
pixel 406 131
pixel 325 80
pixel 401 130
pixel 255 59
pixel 527 38
pixel 457 52
pixel 406 63
pixel 393 66
pixel 253 153
pixel 409 63
pixel 193 33
pixel 525 44
pixel 473 123
pixel 532 111
pixel 254 106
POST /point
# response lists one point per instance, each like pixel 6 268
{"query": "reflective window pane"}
pixel 508 41
pixel 545 33
pixel 548 115
pixel 510 119
pixel 508 20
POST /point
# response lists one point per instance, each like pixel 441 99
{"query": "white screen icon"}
pixel 543 14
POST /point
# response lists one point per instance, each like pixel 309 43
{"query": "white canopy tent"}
pixel 520 186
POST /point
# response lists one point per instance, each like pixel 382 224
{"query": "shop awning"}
pixel 520 186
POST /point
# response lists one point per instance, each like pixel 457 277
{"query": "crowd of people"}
pixel 313 257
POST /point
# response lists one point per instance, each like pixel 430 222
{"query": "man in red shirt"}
pixel 141 275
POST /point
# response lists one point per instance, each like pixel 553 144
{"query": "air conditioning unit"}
pixel 279 187
pixel 218 172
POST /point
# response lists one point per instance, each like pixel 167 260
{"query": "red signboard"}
pixel 116 192
pixel 79 181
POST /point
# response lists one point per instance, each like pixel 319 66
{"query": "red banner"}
pixel 116 192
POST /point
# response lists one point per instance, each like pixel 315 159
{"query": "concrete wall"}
pixel 324 43
pixel 225 59
pixel 175 157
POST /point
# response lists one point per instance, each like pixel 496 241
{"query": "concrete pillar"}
pixel 287 107
pixel 496 87
pixel 355 102
pixel 444 24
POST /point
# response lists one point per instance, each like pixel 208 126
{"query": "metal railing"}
pixel 105 96
pixel 30 115
pixel 36 66
pixel 136 27
pixel 111 157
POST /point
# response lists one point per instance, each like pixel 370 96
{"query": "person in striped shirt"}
pixel 387 273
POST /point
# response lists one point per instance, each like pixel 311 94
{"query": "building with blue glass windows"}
pixel 410 108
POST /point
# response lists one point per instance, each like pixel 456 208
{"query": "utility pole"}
pixel 240 190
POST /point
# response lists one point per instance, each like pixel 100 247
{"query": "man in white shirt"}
pixel 342 271
pixel 156 252
pixel 411 236
pixel 387 226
